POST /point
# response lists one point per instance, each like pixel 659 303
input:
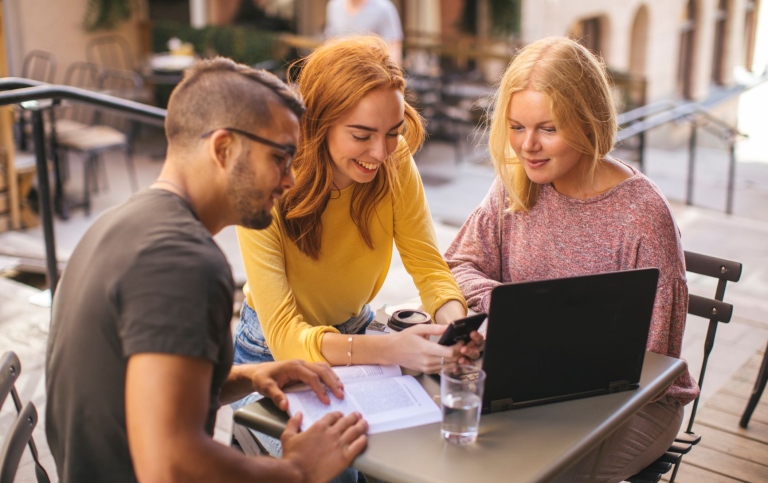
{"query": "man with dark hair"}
pixel 140 351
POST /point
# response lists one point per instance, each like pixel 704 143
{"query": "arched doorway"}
pixel 750 32
pixel 592 33
pixel 638 46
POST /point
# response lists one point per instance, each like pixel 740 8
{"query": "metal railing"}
pixel 14 90
pixel 639 121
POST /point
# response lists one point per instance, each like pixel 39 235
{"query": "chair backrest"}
pixel 39 65
pixel 119 83
pixel 20 434
pixel 86 76
pixel 110 51
pixel 712 309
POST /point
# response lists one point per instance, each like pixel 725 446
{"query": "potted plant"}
pixel 106 14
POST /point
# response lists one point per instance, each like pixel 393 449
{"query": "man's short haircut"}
pixel 219 93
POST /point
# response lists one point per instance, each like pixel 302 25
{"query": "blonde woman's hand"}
pixel 471 351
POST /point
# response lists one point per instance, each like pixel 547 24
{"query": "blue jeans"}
pixel 251 348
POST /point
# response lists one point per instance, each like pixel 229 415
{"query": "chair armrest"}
pixel 688 438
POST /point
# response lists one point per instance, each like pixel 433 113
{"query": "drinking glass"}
pixel 461 397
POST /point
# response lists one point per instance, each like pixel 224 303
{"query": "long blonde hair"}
pixel 332 80
pixel 580 99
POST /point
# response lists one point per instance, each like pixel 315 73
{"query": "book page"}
pixel 386 404
pixel 366 371
pixel 353 373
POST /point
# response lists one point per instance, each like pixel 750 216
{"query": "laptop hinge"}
pixel 618 386
pixel 501 405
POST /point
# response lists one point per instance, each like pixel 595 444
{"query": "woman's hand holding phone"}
pixel 465 330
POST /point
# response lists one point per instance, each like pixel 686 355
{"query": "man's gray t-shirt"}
pixel 374 17
pixel 146 277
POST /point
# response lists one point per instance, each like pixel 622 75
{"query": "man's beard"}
pixel 256 221
pixel 251 214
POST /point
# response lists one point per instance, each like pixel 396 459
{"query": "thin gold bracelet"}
pixel 349 353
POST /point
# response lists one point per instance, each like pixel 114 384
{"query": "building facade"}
pixel 684 48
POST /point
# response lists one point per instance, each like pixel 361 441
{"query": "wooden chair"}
pixel 20 434
pixel 110 51
pixel 38 65
pixel 442 121
pixel 93 132
pixel 716 311
pixel 76 115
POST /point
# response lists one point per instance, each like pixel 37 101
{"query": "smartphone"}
pixel 459 330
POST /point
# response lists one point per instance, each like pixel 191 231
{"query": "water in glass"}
pixel 461 414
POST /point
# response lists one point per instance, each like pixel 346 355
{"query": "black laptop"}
pixel 567 338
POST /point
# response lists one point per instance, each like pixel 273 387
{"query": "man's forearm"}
pixel 207 460
pixel 238 384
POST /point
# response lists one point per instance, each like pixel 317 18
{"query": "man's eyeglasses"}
pixel 288 149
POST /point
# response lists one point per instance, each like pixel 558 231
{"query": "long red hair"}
pixel 332 80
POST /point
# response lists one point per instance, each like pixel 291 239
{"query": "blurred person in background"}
pixel 379 17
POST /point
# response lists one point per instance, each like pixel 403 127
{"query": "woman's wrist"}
pixel 450 311
pixel 384 346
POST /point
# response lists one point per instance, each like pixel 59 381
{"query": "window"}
pixel 589 33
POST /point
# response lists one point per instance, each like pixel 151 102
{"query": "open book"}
pixel 386 398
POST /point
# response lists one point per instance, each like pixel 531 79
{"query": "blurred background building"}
pixel 683 48
pixel 658 49
pixel 689 76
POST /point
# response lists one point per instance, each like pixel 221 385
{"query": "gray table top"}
pixel 532 444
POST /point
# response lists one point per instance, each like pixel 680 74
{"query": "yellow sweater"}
pixel 299 299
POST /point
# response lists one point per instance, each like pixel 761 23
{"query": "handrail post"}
pixel 58 184
pixel 44 202
pixel 641 151
pixel 691 162
pixel 731 175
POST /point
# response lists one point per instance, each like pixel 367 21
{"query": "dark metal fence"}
pixel 634 123
pixel 15 90
pixel 637 122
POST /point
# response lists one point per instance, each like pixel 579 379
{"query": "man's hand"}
pixel 327 447
pixel 269 378
pixel 167 401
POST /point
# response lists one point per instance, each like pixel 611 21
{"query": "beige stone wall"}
pixel 56 26
pixel 311 17
pixel 556 17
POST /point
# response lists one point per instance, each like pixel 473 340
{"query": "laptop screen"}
pixel 560 339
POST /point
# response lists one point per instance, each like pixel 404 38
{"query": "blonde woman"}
pixel 562 206
pixel 312 273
